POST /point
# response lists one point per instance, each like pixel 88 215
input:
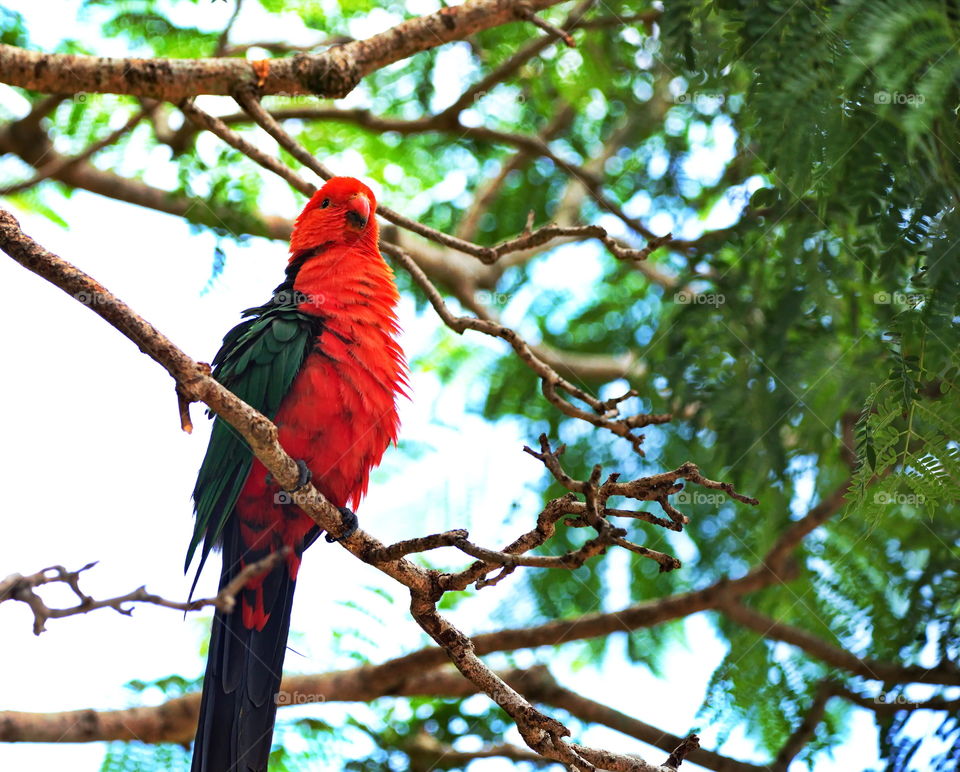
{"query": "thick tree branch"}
pixel 333 73
pixel 399 677
pixel 175 720
pixel 835 656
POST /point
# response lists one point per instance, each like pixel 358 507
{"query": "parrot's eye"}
pixel 325 203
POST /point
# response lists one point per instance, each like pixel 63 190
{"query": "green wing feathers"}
pixel 258 361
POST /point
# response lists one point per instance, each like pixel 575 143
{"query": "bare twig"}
pixel 509 66
pixel 653 488
pixel 419 544
pixel 23 589
pixel 603 417
pixel 225 35
pixel 487 191
pixel 248 100
pixel 247 97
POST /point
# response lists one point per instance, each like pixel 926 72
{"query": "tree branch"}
pixel 27 140
pixel 540 686
pixel 333 73
pixel 56 166
pixel 804 731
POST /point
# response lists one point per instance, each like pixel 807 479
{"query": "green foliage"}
pixel 134 757
pixel 13 32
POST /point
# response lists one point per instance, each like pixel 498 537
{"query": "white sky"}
pixel 95 423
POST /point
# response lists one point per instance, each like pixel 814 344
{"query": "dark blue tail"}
pixel 244 667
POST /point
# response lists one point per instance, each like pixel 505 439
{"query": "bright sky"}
pixel 95 423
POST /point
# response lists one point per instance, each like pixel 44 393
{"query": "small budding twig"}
pixel 525 12
pixel 684 749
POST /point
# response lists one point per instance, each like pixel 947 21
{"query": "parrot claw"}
pixel 350 525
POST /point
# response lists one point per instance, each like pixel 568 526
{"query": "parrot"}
pixel 321 359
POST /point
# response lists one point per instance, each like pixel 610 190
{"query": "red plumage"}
pixel 340 414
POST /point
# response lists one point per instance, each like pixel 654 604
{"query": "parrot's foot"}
pixel 304 477
pixel 350 524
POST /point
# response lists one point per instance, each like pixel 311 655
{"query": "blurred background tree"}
pixel 801 325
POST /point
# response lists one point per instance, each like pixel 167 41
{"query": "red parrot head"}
pixel 341 212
